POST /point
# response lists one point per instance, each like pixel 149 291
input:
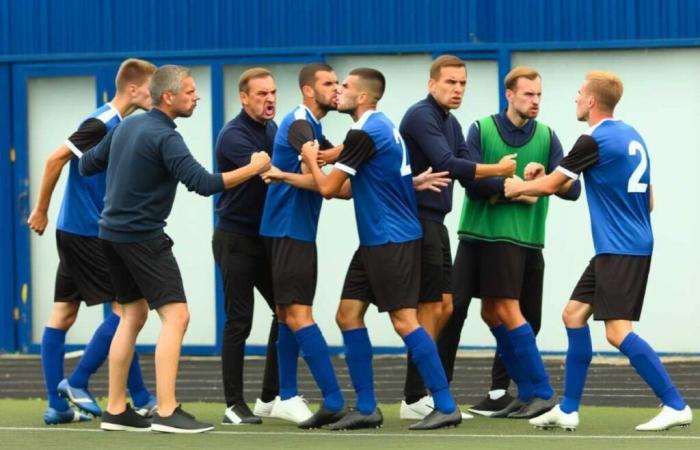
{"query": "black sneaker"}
pixel 240 414
pixel 488 406
pixel 534 408
pixel 129 420
pixel 355 420
pixel 322 417
pixel 437 419
pixel 179 422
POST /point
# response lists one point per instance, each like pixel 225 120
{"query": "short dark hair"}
pixel 307 75
pixel 444 61
pixel 372 80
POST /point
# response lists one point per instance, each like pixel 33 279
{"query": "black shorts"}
pixel 502 269
pixel 294 267
pixel 436 262
pixel 82 273
pixel 614 285
pixel 146 269
pixel 386 275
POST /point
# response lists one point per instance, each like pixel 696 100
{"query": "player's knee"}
pixel 447 310
pixel 614 337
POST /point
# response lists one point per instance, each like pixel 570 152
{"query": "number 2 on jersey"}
pixel 405 166
pixel 634 184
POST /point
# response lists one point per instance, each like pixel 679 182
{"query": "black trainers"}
pixel 179 422
pixel 240 414
pixel 488 406
pixel 534 408
pixel 322 417
pixel 129 420
pixel 355 420
pixel 437 419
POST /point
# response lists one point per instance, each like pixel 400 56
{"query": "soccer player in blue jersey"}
pixel 289 221
pixel 614 162
pixel 82 271
pixel 385 270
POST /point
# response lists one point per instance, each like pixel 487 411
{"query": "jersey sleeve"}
pixel 324 143
pixel 358 148
pixel 583 155
pixel 88 135
pixel 299 133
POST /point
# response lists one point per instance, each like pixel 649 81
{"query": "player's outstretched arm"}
pixel 39 218
pixel 504 168
pixel 329 156
pixel 546 185
pixel 259 163
pixel 328 185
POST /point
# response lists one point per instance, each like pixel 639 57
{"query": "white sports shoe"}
pixel 668 418
pixel 556 418
pixel 293 409
pixel 466 416
pixel 264 409
pixel 416 410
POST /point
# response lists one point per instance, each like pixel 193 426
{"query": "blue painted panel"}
pixel 135 27
pixel 7 263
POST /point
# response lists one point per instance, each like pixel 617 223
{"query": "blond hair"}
pixel 133 71
pixel 606 87
pixel 250 74
pixel 511 79
pixel 444 61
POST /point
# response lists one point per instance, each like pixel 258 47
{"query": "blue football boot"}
pixel 80 397
pixel 53 416
pixel 147 409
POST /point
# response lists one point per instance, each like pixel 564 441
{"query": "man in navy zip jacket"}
pixel 145 158
pixel 239 250
pixel 434 139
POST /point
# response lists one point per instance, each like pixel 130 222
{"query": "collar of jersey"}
pixel 310 114
pixel 361 121
pixel 607 119
pixel 115 110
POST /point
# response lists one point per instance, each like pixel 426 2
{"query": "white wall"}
pixel 50 122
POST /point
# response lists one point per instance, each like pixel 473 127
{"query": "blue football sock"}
pixel 505 350
pixel 425 357
pixel 95 353
pixel 358 357
pixel 648 365
pixel 315 351
pixel 287 357
pixel 52 353
pixel 529 358
pixel 578 358
pixel 137 389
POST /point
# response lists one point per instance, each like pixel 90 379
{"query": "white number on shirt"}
pixel 405 166
pixel 633 185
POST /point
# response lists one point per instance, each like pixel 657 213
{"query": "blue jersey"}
pixel 382 185
pixel 83 198
pixel 616 170
pixel 289 211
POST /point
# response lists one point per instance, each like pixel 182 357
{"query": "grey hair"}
pixel 167 78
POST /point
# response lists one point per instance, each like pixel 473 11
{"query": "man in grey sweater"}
pixel 145 158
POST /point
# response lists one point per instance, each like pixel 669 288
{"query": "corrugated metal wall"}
pixel 31 27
